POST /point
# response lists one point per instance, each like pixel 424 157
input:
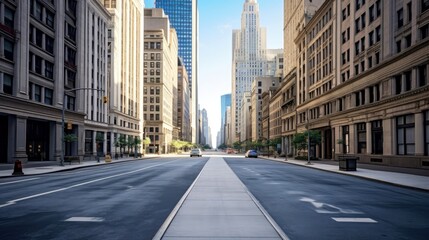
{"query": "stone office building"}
pixel 369 94
pixel 38 60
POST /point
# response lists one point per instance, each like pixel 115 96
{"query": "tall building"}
pixel 183 17
pixel 204 127
pixel 225 101
pixel 248 55
pixel 183 103
pixel 40 43
pixel 160 79
pixel 93 63
pixel 125 62
pixel 250 59
pixel 360 78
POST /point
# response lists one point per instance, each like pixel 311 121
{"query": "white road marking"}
pixel 11 202
pixel 24 180
pixel 84 219
pixel 355 220
pixel 328 208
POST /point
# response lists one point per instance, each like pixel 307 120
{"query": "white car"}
pixel 196 152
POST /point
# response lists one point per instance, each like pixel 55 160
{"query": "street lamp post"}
pixel 62 118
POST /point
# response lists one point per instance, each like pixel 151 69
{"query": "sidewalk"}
pixel 218 206
pixel 405 177
pixel 34 168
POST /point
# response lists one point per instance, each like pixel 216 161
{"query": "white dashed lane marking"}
pixel 84 219
pixel 355 220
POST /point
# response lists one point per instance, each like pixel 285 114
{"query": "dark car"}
pixel 251 153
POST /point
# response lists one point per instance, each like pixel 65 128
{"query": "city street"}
pixel 128 200
pixel 132 200
pixel 314 204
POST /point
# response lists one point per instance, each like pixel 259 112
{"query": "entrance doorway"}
pixel 4 136
pixel 37 140
pixel 328 144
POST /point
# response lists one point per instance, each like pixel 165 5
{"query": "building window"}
pixel 39 38
pixel 346 139
pixel 37 93
pixel 38 65
pixel 426 133
pixel 410 12
pixel 400 17
pixel 361 132
pixel 377 137
pixel 9 18
pixel 425 5
pixel 371 14
pixel 407 80
pixel 50 19
pixel 49 70
pixel 424 31
pixel 398 46
pixel 422 75
pixel 88 142
pixel 49 44
pixel 48 96
pixel 398 84
pixel 408 41
pixel 7 83
pixel 378 33
pixel 8 49
pixel 70 102
pixel 405 135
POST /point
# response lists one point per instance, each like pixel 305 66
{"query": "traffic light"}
pixel 105 99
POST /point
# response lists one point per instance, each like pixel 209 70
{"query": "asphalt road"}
pixel 128 200
pixel 313 204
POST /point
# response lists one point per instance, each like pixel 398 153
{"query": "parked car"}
pixel 251 153
pixel 196 152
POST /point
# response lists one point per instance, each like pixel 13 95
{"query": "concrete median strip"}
pixel 219 206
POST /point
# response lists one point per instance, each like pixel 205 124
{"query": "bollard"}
pixel 17 169
pixel 107 158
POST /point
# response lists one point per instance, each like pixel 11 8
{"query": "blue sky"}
pixel 217 19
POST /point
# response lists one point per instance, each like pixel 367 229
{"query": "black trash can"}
pixel 348 163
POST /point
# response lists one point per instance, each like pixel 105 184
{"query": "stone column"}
pixel 368 138
pixel 20 134
pixel 389 137
pixel 419 134
pixel 352 139
pixel 94 143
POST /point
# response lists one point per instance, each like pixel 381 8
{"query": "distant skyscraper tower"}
pixel 249 50
pixel 183 17
pixel 225 101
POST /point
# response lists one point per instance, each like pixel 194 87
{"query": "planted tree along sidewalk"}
pixel 300 141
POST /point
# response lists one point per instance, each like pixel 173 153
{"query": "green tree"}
pixel 236 145
pixel 137 143
pixel 300 140
pixel 68 139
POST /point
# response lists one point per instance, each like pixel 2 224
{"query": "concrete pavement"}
pixel 219 206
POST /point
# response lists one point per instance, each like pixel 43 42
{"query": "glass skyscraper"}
pixel 183 17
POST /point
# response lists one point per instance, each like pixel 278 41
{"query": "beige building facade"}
pixel 160 79
pixel 125 71
pixel 362 81
pixel 183 104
